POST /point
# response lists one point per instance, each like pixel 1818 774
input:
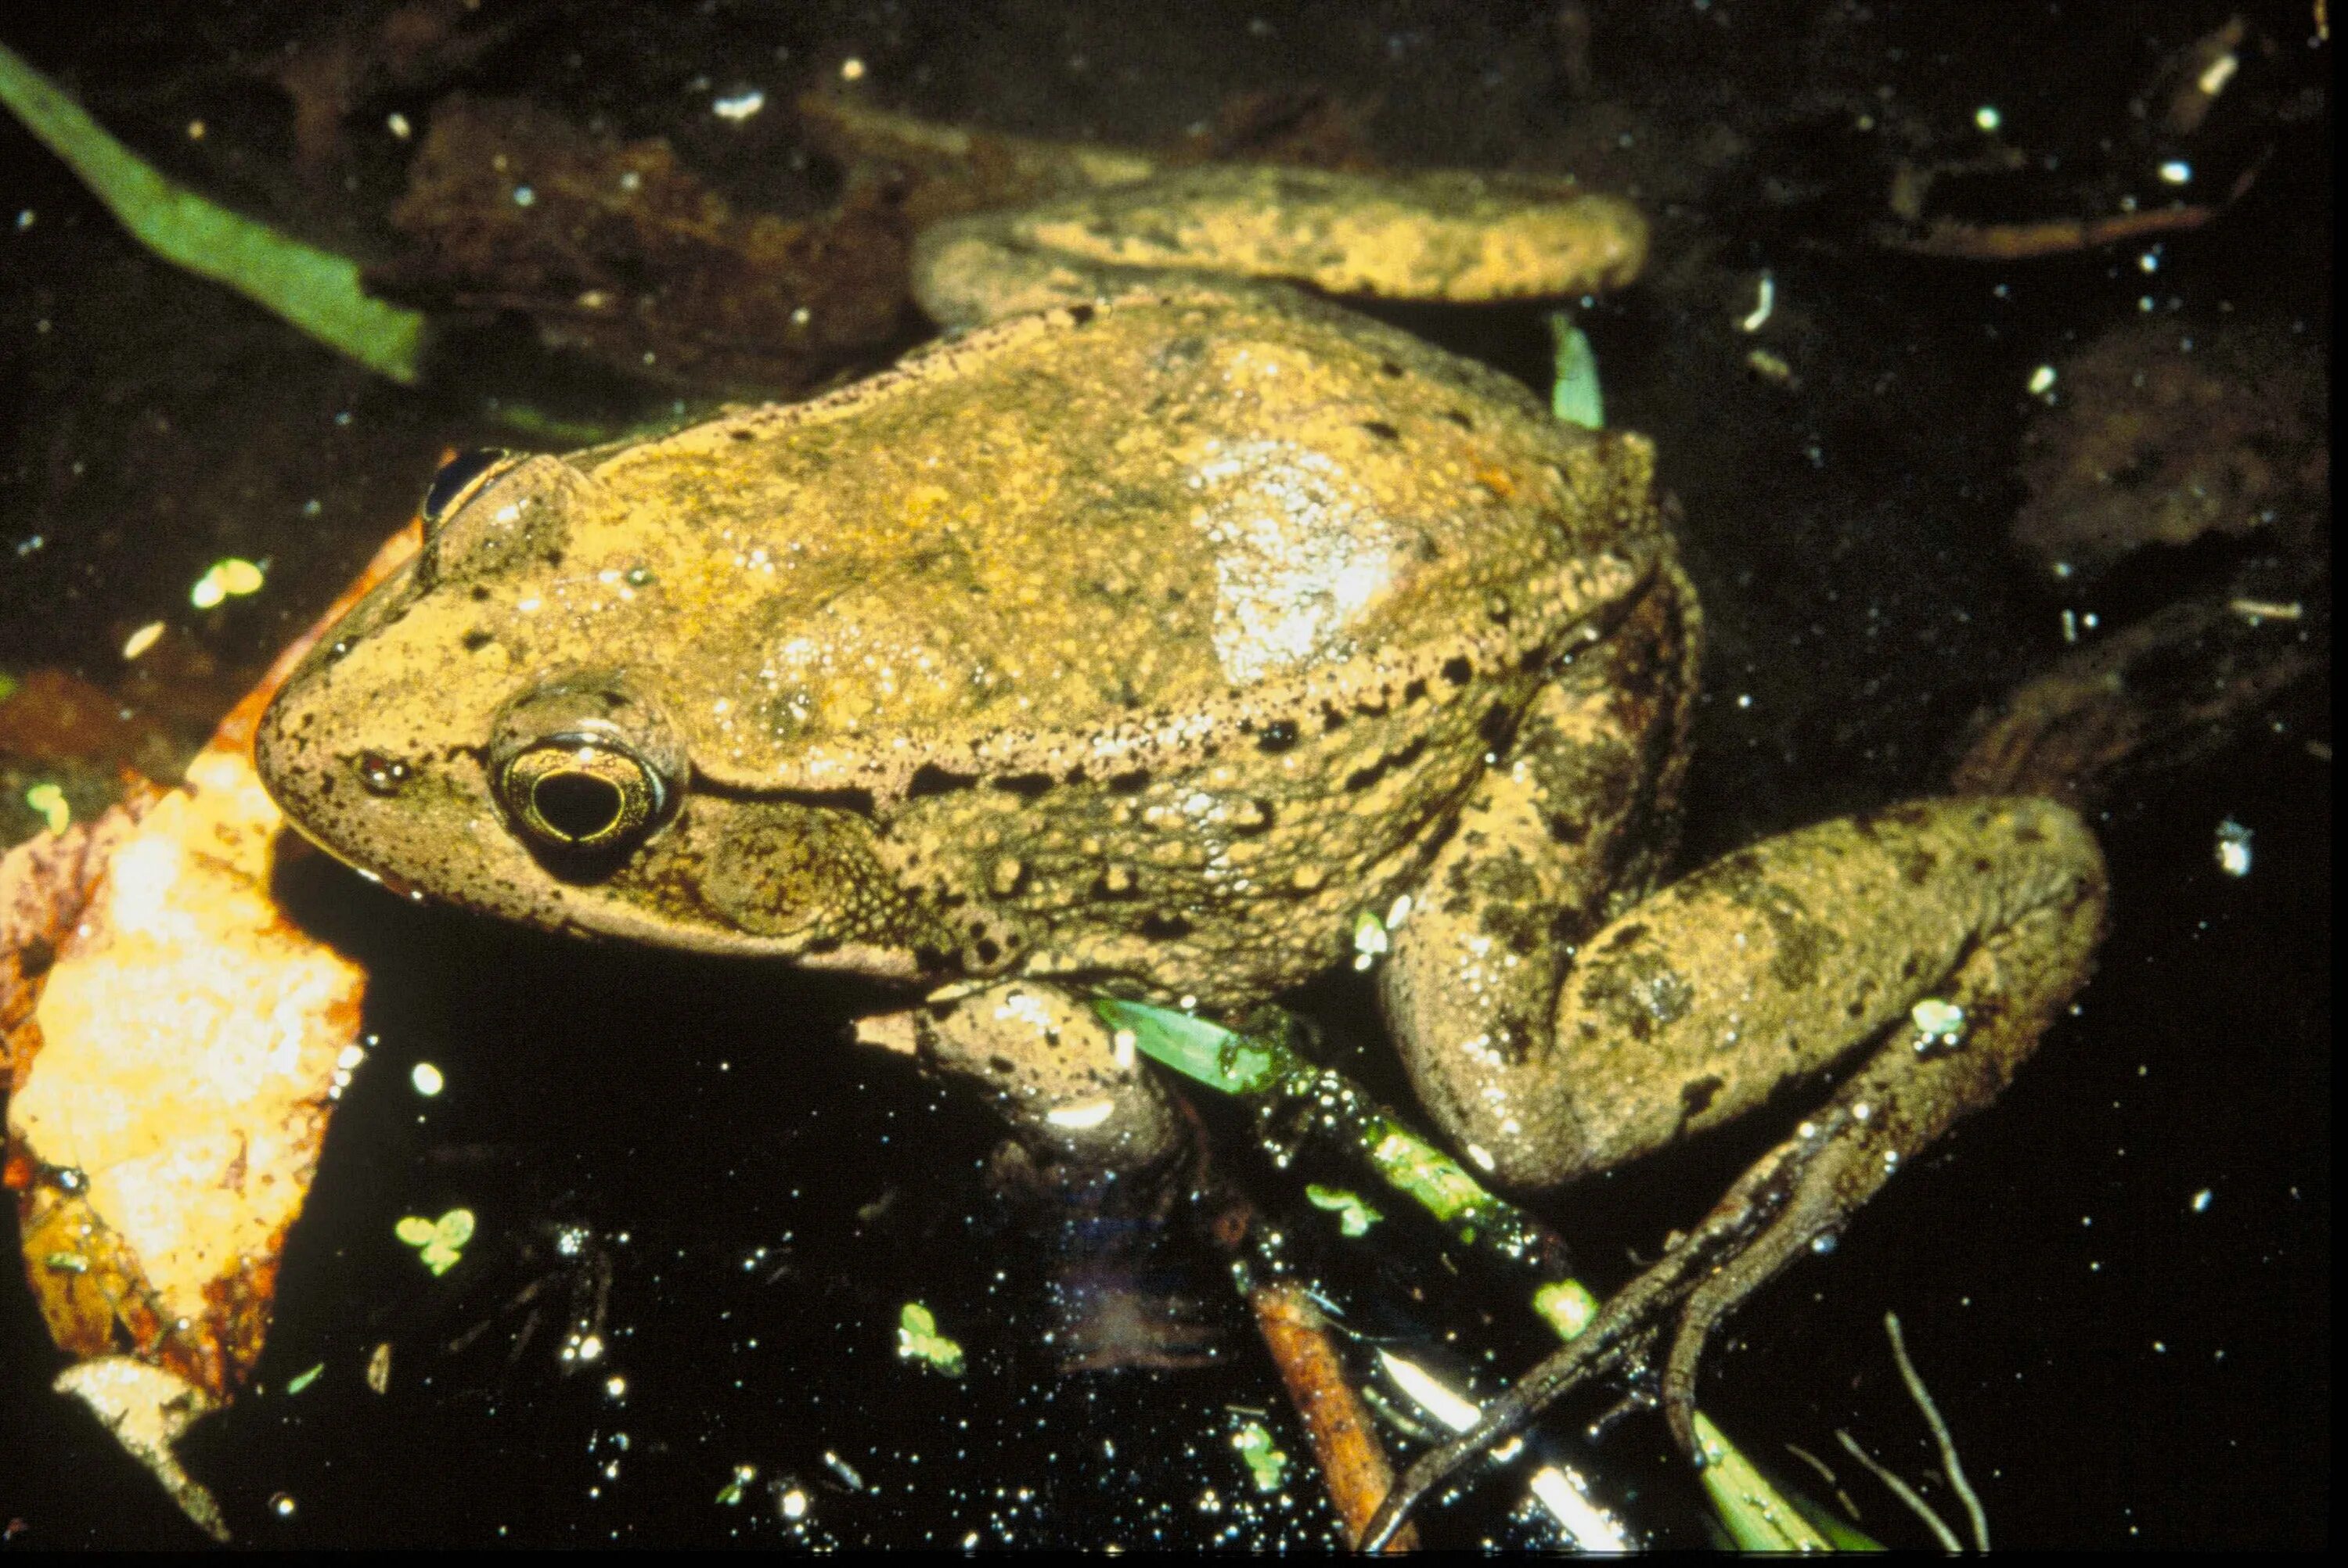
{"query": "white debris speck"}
pixel 397 123
pixel 142 640
pixel 1764 301
pixel 2042 381
pixel 1987 118
pixel 2176 171
pixel 739 105
pixel 2202 1200
pixel 2234 848
pixel 426 1078
pixel 1082 1116
pixel 1937 1020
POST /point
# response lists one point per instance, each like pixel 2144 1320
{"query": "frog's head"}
pixel 483 729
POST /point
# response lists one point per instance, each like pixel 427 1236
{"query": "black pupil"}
pixel 456 474
pixel 576 805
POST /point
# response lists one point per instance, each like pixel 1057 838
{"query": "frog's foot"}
pixel 1050 1067
pixel 1437 235
pixel 1099 1163
pixel 1127 1286
pixel 2037 910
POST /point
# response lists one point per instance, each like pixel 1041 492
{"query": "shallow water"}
pixel 2124 1359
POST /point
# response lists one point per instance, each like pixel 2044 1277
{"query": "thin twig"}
pixel 1949 1466
pixel 1354 1465
pixel 1903 1492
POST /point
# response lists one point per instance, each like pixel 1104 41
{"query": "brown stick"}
pixel 1353 1464
pixel 2059 236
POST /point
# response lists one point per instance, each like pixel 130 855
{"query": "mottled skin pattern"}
pixel 1141 643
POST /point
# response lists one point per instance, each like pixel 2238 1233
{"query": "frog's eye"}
pixel 585 771
pixel 460 479
pixel 582 793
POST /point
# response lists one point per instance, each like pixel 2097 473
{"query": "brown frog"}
pixel 1141 642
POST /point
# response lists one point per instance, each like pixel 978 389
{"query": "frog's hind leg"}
pixel 2007 984
pixel 1572 826
pixel 1436 235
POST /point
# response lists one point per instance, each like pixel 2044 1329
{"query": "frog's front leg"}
pixel 1050 1067
pixel 1688 1008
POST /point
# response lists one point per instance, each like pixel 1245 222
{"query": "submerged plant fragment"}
pixel 173 1047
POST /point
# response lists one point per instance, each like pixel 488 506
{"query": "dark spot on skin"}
pixel 1697 1098
pixel 1980 865
pixel 825 945
pixel 1157 926
pixel 987 951
pixel 1459 418
pixel 1802 949
pixel 1565 828
pixel 1637 991
pixel 1382 430
pixel 1363 778
pixel 552 558
pixel 1330 717
pixel 932 960
pixel 745 435
pixel 1082 315
pixel 35 957
pixel 1917 866
pixel 1457 671
pixel 930 780
pixel 1132 783
pixel 1390 367
pixel 1277 736
pixel 1003 1064
pixel 1498 727
pixel 480 593
pixel 476 640
pixel 1026 787
pixel 1626 935
pixel 1415 692
pixel 2027 834
pixel 1911 970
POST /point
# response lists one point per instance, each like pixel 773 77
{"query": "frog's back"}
pixel 1082 539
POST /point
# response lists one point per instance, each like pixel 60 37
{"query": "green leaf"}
pixel 1575 399
pixel 1756 1516
pixel 1354 1217
pixel 917 1340
pixel 315 290
pixel 1205 1052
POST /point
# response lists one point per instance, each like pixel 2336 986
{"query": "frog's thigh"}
pixel 1051 1068
pixel 1435 235
pixel 1773 961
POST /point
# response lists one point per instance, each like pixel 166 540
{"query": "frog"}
pixel 1146 635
